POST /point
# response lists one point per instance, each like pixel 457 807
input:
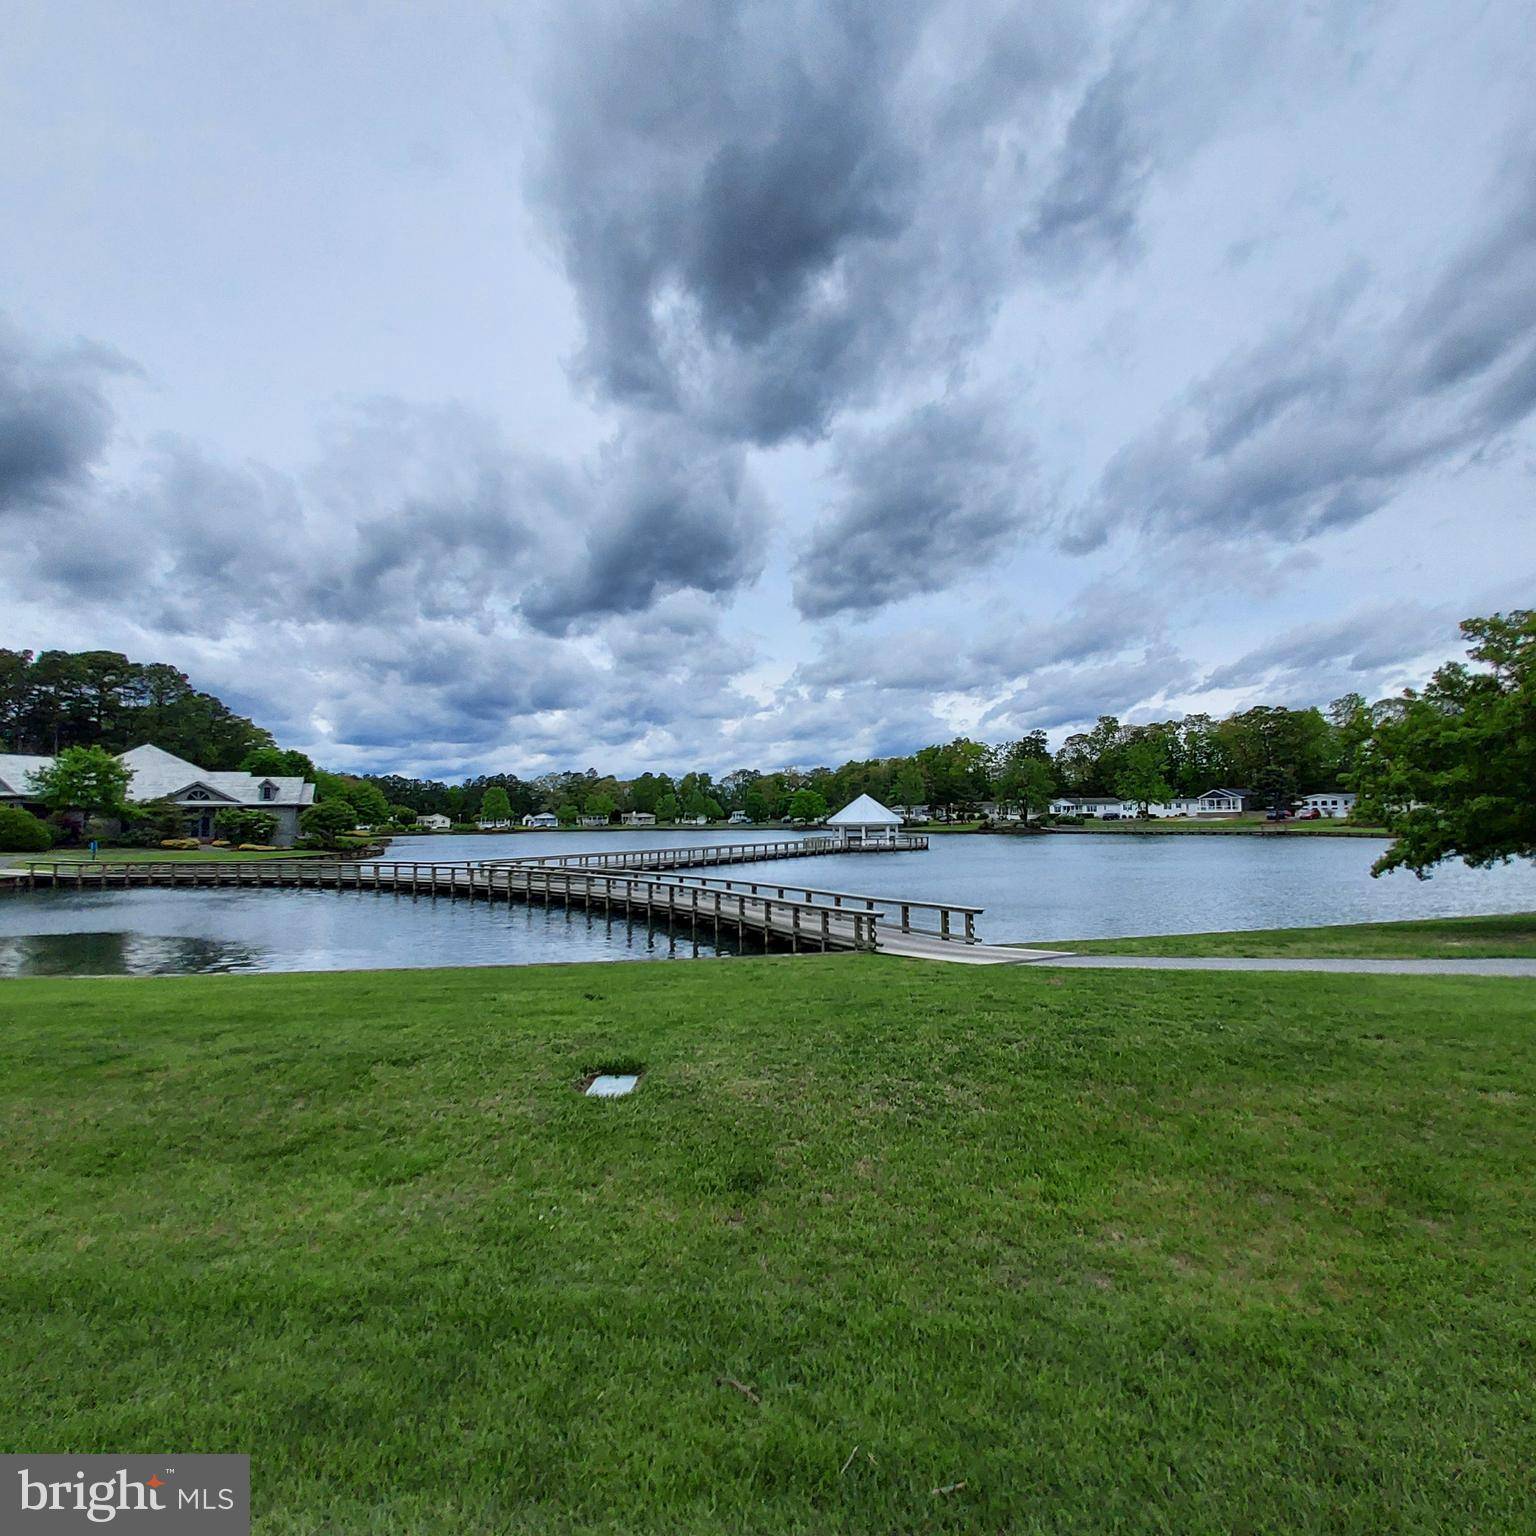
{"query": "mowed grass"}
pixel 1091 1251
pixel 1169 826
pixel 162 855
pixel 1510 936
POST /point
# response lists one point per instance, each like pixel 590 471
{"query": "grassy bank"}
pixel 159 855
pixel 1450 938
pixel 1250 826
pixel 1088 1251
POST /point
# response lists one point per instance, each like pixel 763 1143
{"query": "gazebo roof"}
pixel 866 811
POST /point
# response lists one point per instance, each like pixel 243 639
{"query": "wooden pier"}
pixel 772 920
pixel 709 855
pixel 649 884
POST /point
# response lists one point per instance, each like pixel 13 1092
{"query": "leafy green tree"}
pixel 368 801
pixel 274 762
pixel 22 832
pixel 1451 772
pixel 1142 778
pixel 713 809
pixel 907 787
pixel 330 786
pixel 87 779
pixel 327 823
pixel 756 803
pixel 402 815
pixel 807 805
pixel 495 805
pixel 566 814
pixel 241 825
pixel 601 804
pixel 1029 784
pixel 667 808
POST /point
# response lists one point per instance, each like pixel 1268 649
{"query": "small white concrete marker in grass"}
pixel 611 1086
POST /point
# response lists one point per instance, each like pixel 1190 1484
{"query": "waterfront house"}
pixel 1329 802
pixel 201 793
pixel 737 818
pixel 541 821
pixel 434 822
pixel 693 821
pixel 1218 802
pixel 638 819
pixel 1092 805
pixel 594 821
pixel 864 822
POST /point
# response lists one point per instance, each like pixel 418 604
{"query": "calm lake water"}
pixel 1033 888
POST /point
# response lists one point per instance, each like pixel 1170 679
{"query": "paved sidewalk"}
pixel 1511 967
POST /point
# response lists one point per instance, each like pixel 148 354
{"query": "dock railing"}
pixel 804 924
pixel 896 910
pixel 705 854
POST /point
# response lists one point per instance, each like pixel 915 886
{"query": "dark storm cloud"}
pixel 1328 420
pixel 55 418
pixel 673 513
pixel 933 496
pixel 764 209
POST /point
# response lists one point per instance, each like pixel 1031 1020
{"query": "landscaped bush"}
pixel 22 832
pixel 325 824
pixel 185 844
pixel 148 823
pixel 239 825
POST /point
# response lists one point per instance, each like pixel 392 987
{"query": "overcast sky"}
pixel 458 388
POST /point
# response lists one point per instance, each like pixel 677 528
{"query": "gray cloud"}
pixel 55 417
pixel 766 211
pixel 673 513
pixel 934 495
pixel 1065 695
pixel 1358 653
pixel 1327 420
pixel 1090 207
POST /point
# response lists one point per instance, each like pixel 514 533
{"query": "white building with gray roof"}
pixel 201 792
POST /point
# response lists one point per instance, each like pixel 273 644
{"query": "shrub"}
pixel 324 825
pixel 256 848
pixel 183 843
pixel 22 832
pixel 240 825
pixel 152 821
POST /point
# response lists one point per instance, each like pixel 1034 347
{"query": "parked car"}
pixel 1110 816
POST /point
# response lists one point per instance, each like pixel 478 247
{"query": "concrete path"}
pixel 923 946
pixel 1511 967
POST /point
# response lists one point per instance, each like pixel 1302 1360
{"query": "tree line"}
pixel 1449 770
pixel 51 700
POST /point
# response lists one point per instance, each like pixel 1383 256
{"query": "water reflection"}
pixel 121 954
pixel 1038 888
pixel 183 932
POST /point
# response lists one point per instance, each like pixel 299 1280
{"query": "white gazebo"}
pixel 865 823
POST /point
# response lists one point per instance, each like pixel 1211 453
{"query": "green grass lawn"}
pixel 1168 825
pixel 1451 938
pixel 159 855
pixel 1094 1251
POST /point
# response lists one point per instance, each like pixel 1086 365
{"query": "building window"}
pixel 197 794
pixel 268 791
